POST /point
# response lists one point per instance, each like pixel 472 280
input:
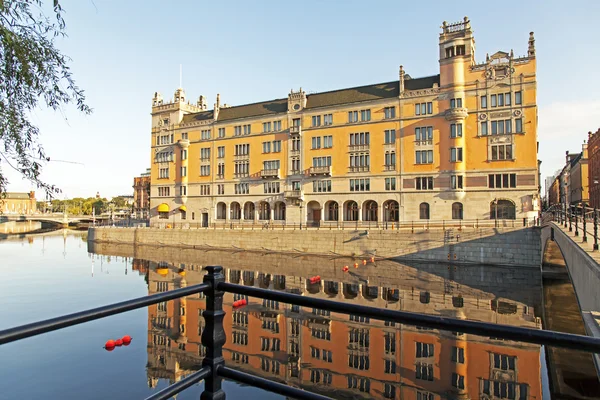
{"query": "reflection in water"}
pixel 352 356
pixel 19 226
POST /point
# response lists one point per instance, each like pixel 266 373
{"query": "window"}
pixel 458 301
pixel 502 152
pixel 501 127
pixel 389 112
pixel 365 115
pixel 424 156
pixel 456 181
pixel 389 136
pixel 455 130
pixel 221 151
pixel 163 173
pixel 241 188
pixel 518 125
pixel 164 191
pixel 359 318
pixel 183 154
pixel 204 170
pixel 241 168
pixel 315 352
pixel 271 187
pixel 456 154
pixel 183 171
pixel 518 99
pixel 424 133
pixel 389 391
pixel 204 190
pixel 266 147
pixel 164 157
pixel 359 162
pixel 324 161
pixel 504 362
pixel 389 366
pixel 327 356
pixel 205 134
pixel 352 116
pixel 240 338
pixel 390 159
pixel 320 333
pixel 271 165
pixel 458 355
pixel 328 119
pixel 276 146
pixel 456 103
pixel 237 130
pixel 242 149
pixel 424 372
pixel 483 101
pixel 502 99
pixel 458 381
pixel 316 142
pixel 507 99
pixel 457 211
pixel 390 343
pixel 205 153
pixel 276 126
pixel 327 142
pixel 247 129
pixel 316 120
pixel 361 138
pixel 424 108
pixel 424 211
pixel 295 165
pixel 423 350
pixel 220 190
pixel 493 100
pixel 358 361
pixel 502 181
pixel 266 127
pixel 296 144
pixel 424 183
pixel 425 395
pixel 484 128
pixel 321 186
pixel 360 185
pixel 390 183
pixel 221 132
pixel 221 170
pixel 362 384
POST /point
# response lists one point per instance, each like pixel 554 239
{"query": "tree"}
pixel 32 71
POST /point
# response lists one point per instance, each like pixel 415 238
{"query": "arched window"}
pixel 424 211
pixel 457 211
pixel 332 211
pixel 502 209
pixel 351 211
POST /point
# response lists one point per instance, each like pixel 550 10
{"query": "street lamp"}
pixel 496 212
pixel 386 214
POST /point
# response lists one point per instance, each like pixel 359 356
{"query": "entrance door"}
pixel 205 220
pixel 316 217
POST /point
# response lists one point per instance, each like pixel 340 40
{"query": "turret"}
pixel 157 100
pixel 401 79
pixel 531 47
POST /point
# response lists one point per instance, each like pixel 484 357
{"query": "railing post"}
pixel 576 224
pixel 213 335
pixel 584 239
pixel 570 215
pixel 595 229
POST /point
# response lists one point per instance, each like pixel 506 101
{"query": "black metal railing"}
pixel 580 218
pixel 213 337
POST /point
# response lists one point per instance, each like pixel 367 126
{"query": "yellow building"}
pixel 18 203
pixel 458 145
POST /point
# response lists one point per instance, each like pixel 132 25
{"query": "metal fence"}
pixel 583 220
pixel 214 368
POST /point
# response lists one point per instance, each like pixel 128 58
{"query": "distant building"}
pixel 579 183
pixel 554 192
pixel 141 195
pixel 594 168
pixel 18 203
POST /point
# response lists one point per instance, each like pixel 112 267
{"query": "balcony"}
pixel 358 147
pixel 293 194
pixel 389 167
pixel 295 130
pixel 456 114
pixel 239 157
pixel 295 152
pixel 323 170
pixel 269 173
pixel 360 168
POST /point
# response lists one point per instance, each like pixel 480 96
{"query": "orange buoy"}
pixel 244 302
pixel 119 342
pixel 109 345
pixel 355 265
pixel 364 262
pixel 126 340
pixel 372 259
pixel 345 269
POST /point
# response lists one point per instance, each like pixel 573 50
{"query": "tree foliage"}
pixel 33 73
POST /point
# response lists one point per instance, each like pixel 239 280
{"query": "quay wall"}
pixel 485 246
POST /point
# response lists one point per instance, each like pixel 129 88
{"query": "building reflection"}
pixel 352 356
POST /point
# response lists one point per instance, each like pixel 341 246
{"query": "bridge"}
pixel 55 218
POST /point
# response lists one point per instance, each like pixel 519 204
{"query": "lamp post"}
pixel 386 214
pixel 301 214
pixel 496 212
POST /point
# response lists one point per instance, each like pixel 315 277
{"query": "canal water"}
pixel 336 355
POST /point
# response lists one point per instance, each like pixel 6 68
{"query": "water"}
pixel 333 354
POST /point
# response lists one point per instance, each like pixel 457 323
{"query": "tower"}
pixel 457 51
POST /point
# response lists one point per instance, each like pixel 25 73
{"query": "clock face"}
pixel 296 107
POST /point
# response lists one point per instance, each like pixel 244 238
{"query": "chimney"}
pixel 401 77
pixel 531 47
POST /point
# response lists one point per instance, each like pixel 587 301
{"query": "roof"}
pixel 358 94
pixel 15 195
pixel 576 159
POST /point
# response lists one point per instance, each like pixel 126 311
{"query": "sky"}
pixel 249 51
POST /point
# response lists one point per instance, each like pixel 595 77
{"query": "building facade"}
pixel 594 168
pixel 461 144
pixel 579 187
pixel 18 203
pixel 141 195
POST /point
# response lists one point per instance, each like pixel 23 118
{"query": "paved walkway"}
pixel 588 246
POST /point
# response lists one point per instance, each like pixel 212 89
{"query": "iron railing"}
pixel 214 369
pixel 576 217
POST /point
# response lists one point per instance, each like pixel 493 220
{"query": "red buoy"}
pixel 109 345
pixel 118 342
pixel 345 269
pixel 126 340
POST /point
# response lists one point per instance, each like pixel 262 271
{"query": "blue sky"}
pixel 123 51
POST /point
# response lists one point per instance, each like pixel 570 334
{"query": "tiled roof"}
pixel 335 97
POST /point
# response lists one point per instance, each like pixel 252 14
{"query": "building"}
pixel 18 203
pixel 554 192
pixel 343 356
pixel 594 168
pixel 579 178
pixel 141 195
pixel 461 144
